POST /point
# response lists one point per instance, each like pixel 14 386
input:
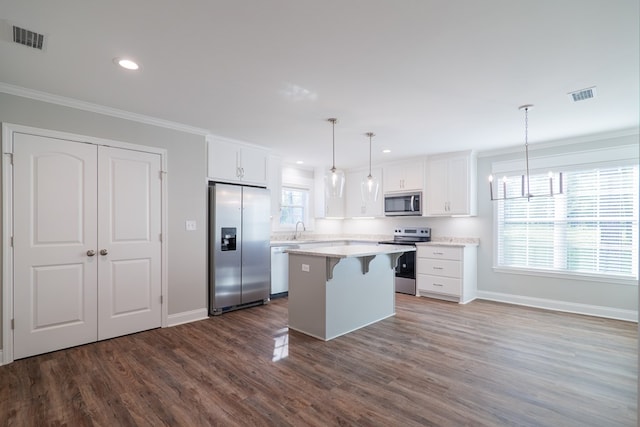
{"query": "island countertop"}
pixel 351 251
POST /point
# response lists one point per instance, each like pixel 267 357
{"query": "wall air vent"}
pixel 583 94
pixel 28 38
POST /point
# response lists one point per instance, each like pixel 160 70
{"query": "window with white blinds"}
pixel 591 229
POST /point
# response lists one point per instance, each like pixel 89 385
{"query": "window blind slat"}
pixel 592 228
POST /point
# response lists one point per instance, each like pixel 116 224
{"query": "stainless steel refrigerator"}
pixel 239 247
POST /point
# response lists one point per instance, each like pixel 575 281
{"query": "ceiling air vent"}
pixel 583 94
pixel 28 38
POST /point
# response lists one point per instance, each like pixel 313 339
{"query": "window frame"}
pixel 623 155
pixel 307 208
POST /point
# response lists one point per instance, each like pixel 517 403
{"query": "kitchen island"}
pixel 334 290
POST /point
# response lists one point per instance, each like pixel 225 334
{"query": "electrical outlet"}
pixel 305 267
pixel 190 225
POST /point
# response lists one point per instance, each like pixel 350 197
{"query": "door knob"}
pixel 91 252
pixel 103 251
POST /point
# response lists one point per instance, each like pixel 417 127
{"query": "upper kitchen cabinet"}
pixel 327 206
pixel 401 177
pixel 452 184
pixel 355 206
pixel 230 161
pixel 274 183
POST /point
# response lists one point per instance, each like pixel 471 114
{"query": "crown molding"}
pixel 619 133
pixel 99 109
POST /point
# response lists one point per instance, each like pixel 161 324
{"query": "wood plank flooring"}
pixel 434 364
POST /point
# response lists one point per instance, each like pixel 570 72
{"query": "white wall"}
pixel 186 164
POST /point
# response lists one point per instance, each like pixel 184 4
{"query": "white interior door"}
pixel 129 246
pixel 55 225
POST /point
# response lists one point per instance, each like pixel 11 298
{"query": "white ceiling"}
pixel 426 76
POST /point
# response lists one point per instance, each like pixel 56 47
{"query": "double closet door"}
pixel 87 243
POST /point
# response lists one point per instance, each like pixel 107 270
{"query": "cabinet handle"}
pixel 437 268
pixel 438 253
pixel 438 284
pixel 104 252
pixel 91 252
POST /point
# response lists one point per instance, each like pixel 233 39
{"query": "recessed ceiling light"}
pixel 299 162
pixel 386 150
pixel 126 63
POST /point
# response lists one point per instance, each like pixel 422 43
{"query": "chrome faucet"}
pixel 295 235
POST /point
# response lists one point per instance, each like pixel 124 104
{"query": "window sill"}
pixel 616 280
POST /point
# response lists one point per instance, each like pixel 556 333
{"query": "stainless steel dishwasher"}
pixel 280 270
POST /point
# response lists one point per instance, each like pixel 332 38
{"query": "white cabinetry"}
pixel 325 205
pixel 451 184
pixel 355 206
pixel 274 183
pixel 447 272
pixel 406 176
pixel 230 161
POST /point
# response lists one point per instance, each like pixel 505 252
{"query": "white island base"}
pixel 336 290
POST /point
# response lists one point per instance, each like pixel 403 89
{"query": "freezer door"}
pixel 256 252
pixel 225 246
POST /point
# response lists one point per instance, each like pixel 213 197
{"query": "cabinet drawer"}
pixel 440 252
pixel 440 285
pixel 439 267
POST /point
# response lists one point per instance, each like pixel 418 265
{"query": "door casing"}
pixel 8 130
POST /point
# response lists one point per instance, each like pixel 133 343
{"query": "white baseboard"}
pixel 569 307
pixel 187 316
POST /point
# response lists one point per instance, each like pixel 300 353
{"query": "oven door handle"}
pixel 412 199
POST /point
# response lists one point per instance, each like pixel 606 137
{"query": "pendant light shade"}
pixel 334 179
pixel 370 185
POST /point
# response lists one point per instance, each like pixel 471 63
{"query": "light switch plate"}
pixel 305 267
pixel 190 225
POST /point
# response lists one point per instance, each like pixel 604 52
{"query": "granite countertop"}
pixel 323 239
pixel 451 241
pixel 351 251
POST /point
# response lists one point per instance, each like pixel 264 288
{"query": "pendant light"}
pixel 334 179
pixel 525 190
pixel 370 185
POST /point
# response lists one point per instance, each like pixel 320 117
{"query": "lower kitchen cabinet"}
pixel 447 272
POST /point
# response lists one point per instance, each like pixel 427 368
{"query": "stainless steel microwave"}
pixel 403 204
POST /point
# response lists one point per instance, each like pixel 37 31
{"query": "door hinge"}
pixel 10 158
pixel 11 241
pixel 160 236
pixel 161 299
pixel 162 174
pixel 13 324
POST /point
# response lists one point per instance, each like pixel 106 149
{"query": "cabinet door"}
pixel 55 225
pixel 458 186
pixel 354 205
pixel 413 178
pixel 253 165
pixel 374 208
pixel 223 161
pixel 326 206
pixel 393 178
pixel 274 183
pixel 408 176
pixel 437 194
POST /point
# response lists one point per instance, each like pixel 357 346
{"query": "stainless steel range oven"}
pixel 406 267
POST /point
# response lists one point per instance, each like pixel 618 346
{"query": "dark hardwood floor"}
pixel 434 364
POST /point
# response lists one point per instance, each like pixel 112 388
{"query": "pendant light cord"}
pixel 333 123
pixel 370 135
